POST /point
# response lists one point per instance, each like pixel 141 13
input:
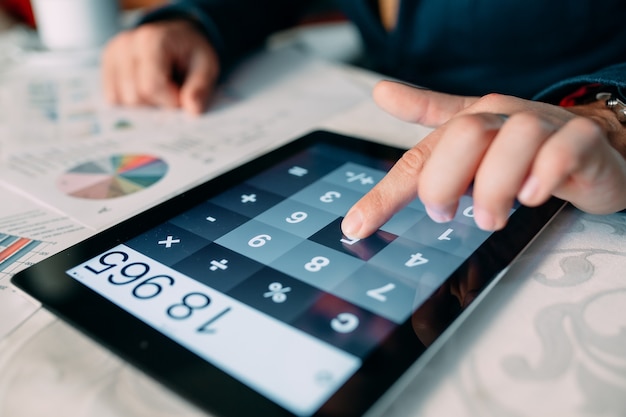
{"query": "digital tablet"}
pixel 243 295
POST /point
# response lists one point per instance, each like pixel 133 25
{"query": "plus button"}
pixel 168 242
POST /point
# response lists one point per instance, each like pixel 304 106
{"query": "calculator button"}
pixel 296 218
pixel 218 267
pixel 363 249
pixel 356 177
pixel 403 221
pixel 329 197
pixel 379 292
pixel 417 205
pixel 167 243
pixel 465 211
pixel 209 221
pixel 259 241
pixel 344 325
pixel 294 174
pixel 246 200
pixel 421 264
pixel 276 294
pixel 317 265
pixel 452 237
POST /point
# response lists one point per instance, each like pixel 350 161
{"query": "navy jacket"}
pixel 541 49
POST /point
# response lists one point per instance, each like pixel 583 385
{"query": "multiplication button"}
pixel 167 243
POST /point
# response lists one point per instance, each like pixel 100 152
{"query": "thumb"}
pixel 418 105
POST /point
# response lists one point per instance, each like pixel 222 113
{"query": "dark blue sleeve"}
pixel 614 76
pixel 235 27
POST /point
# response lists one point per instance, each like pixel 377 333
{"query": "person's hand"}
pixel 163 64
pixel 508 147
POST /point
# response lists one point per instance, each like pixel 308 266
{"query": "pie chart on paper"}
pixel 112 177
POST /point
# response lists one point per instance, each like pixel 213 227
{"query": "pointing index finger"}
pixel 391 194
pixel 399 186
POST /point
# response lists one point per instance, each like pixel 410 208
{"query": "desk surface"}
pixel 548 340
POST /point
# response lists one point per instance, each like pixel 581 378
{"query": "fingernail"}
pixel 440 214
pixel 484 219
pixel 529 189
pixel 351 224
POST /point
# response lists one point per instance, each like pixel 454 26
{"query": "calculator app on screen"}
pixel 259 278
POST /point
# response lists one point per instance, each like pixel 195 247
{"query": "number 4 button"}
pixel 415 260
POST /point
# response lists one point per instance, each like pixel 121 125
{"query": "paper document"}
pixel 100 165
pixel 28 234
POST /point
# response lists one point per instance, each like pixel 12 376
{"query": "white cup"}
pixel 76 24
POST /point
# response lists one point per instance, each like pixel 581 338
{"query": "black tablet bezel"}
pixel 206 385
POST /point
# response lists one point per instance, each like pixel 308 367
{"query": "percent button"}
pixel 277 292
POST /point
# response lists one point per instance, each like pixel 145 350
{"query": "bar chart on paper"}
pixel 28 235
pixel 16 253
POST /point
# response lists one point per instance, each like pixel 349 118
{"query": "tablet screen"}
pixel 250 278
